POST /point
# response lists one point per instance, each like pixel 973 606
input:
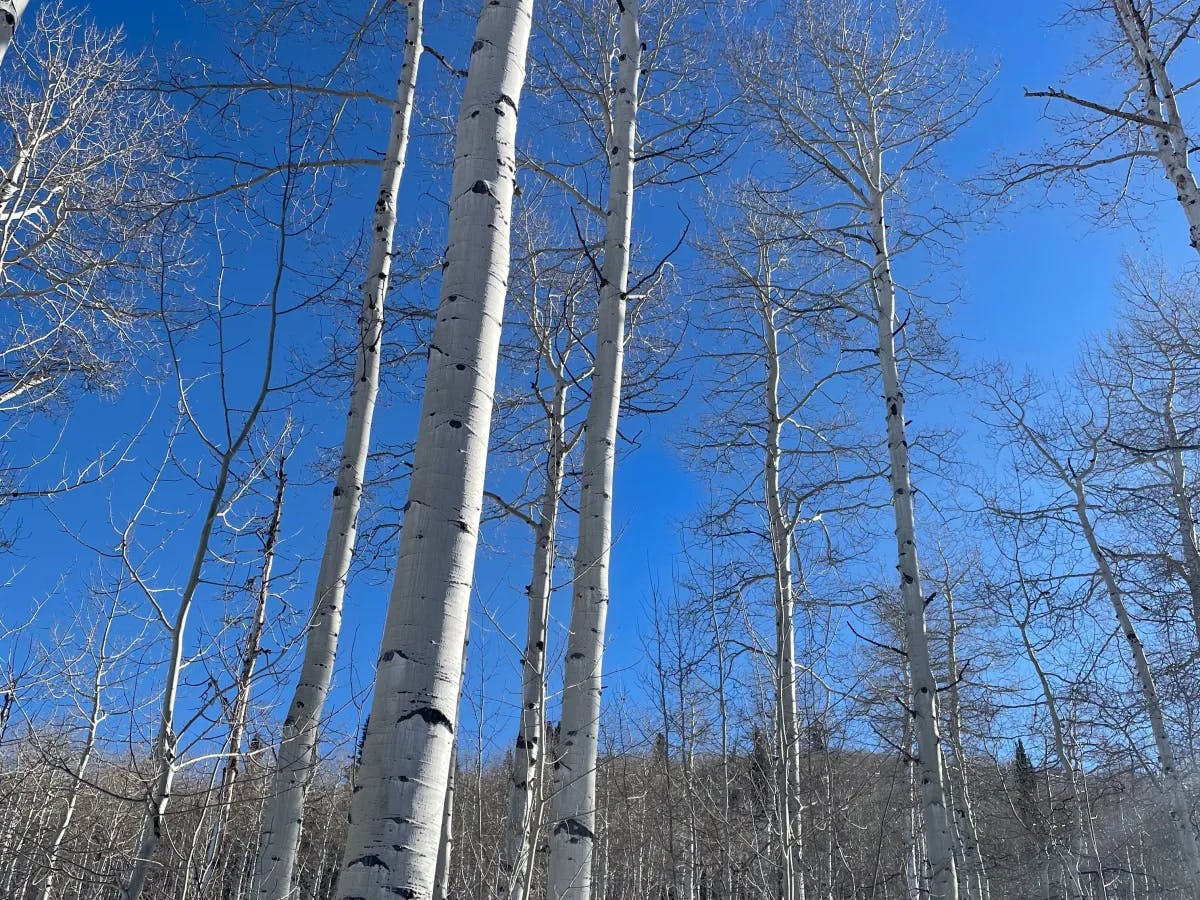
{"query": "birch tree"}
pixel 1069 459
pixel 573 833
pixel 392 845
pixel 282 821
pixel 860 107
pixel 1105 140
pixel 85 151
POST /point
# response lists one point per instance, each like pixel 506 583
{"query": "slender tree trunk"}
pixel 1172 783
pixel 573 834
pixel 529 756
pixel 1183 510
pixel 787 715
pixel 1066 761
pixel 396 814
pixel 1171 145
pixel 964 812
pixel 280 839
pixel 95 716
pixel 441 883
pixel 11 13
pixel 240 712
pixel 939 840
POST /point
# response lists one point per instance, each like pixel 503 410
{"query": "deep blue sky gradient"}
pixel 1028 284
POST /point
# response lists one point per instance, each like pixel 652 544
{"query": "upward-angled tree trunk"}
pixel 529 757
pixel 573 834
pixel 240 711
pixel 397 811
pixel 1172 148
pixel 964 813
pixel 11 13
pixel 280 838
pixel 787 714
pixel 939 838
pixel 1185 518
pixel 1171 778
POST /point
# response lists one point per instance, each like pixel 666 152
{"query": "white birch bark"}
pixel 1185 518
pixel 1172 782
pixel 240 712
pixel 11 13
pixel 939 839
pixel 964 812
pixel 787 725
pixel 96 715
pixel 397 810
pixel 1171 144
pixel 279 841
pixel 529 755
pixel 1066 761
pixel 574 810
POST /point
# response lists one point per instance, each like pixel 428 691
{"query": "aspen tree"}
pixel 1103 140
pixel 397 812
pixel 1070 460
pixel 573 833
pixel 282 821
pixel 842 106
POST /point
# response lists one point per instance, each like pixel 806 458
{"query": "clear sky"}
pixel 1031 281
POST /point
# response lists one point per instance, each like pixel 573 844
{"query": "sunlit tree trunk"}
pixel 574 810
pixel 1173 786
pixel 1172 148
pixel 529 756
pixel 280 839
pixel 787 715
pixel 397 811
pixel 939 839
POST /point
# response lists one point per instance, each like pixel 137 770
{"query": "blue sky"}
pixel 1032 281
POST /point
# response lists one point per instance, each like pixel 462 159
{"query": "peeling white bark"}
pixel 279 840
pixel 397 810
pixel 572 836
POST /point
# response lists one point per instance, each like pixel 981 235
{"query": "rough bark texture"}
pixel 573 833
pixel 280 837
pixel 938 834
pixel 529 755
pixel 396 815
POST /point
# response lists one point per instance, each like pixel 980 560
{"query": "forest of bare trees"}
pixel 778 424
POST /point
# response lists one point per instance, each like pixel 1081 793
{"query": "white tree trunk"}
pixel 939 839
pixel 1172 783
pixel 1185 518
pixel 787 715
pixel 279 841
pixel 11 13
pixel 96 715
pixel 573 833
pixel 397 811
pixel 964 812
pixel 529 756
pixel 1171 144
